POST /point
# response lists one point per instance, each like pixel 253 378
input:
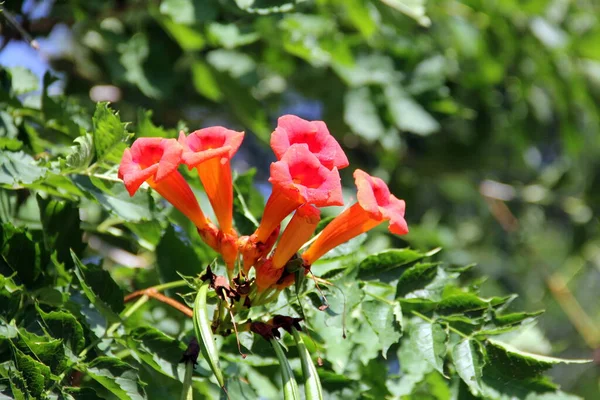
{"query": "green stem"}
pixel 187 392
pixel 431 321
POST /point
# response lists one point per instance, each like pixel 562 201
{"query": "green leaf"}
pixel 19 168
pixel 461 302
pixel 61 227
pixel 49 352
pixel 290 387
pixel 469 361
pixel 146 128
pixel 10 298
pixel 175 254
pixel 312 383
pixel 114 197
pixel 205 82
pixel 35 374
pixel 120 378
pixel 23 80
pixel 188 12
pixel 415 9
pixel 407 114
pixel 203 330
pixel 188 37
pixel 386 320
pixel 161 352
pixel 23 254
pixel 109 134
pixel 100 289
pixel 81 154
pixel 134 54
pixel 248 203
pixel 63 325
pixel 521 362
pixel 430 341
pixel 265 7
pixel 387 260
pixel 230 36
pixel 360 114
pixel 416 277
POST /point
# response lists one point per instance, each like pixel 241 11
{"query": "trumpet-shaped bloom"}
pixel 375 205
pixel 294 130
pixel 299 230
pixel 298 178
pixel 266 275
pixel 210 150
pixel 155 161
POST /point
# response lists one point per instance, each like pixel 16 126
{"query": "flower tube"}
pixel 298 178
pixel 155 161
pixel 210 150
pixel 294 130
pixel 375 205
pixel 299 230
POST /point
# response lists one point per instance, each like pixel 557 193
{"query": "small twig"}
pixel 569 304
pixel 15 24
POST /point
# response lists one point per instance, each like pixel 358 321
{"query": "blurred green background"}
pixel 482 115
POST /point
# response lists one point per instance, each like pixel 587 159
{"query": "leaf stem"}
pixel 450 327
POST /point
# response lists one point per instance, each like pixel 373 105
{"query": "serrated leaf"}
pixel 63 325
pixel 35 374
pixel 416 277
pixel 109 135
pixel 386 261
pixel 19 168
pixel 120 378
pixel 61 228
pixel 461 302
pixel 161 352
pixel 100 289
pixel 469 361
pixel 521 362
pixel 430 340
pixel 81 154
pixel 385 319
pixel 49 352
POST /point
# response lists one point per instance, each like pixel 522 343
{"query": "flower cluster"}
pixel 305 177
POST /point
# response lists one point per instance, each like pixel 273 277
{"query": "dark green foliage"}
pixel 483 116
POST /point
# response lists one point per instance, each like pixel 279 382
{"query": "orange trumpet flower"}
pixel 375 205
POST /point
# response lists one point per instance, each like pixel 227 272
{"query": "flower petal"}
pixel 295 130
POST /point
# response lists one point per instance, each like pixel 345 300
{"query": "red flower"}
pixel 155 160
pixel 210 150
pixel 314 134
pixel 298 178
pixel 375 205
